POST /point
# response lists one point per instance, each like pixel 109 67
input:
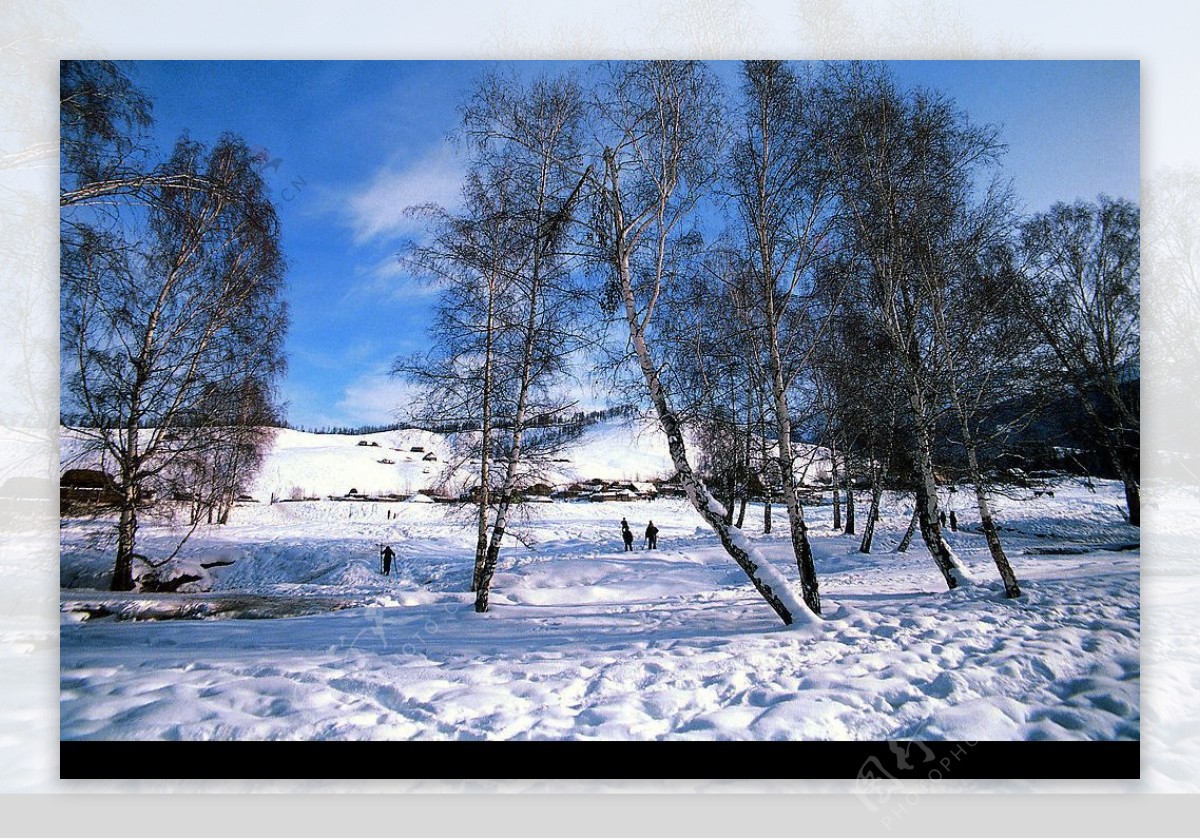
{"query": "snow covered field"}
pixel 585 641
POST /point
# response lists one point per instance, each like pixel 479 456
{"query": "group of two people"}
pixel 651 535
pixel 387 555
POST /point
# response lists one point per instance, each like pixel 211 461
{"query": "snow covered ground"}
pixel 585 641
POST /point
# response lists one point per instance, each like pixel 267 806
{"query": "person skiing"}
pixel 626 535
pixel 388 556
pixel 651 536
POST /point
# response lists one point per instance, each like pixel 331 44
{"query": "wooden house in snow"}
pixel 87 488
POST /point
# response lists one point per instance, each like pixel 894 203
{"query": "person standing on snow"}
pixel 651 536
pixel 626 535
pixel 388 556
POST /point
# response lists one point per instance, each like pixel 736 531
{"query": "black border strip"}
pixel 870 762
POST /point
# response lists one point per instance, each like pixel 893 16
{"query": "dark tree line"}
pixel 566 419
pixel 820 255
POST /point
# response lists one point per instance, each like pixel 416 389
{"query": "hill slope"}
pixel 305 464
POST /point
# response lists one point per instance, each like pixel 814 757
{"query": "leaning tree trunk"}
pixel 910 355
pixel 927 509
pixel 791 490
pixel 1007 575
pixel 873 516
pixel 908 534
pixel 769 583
pixel 535 303
pixel 922 455
pixel 766 580
pixel 988 525
pixel 1011 588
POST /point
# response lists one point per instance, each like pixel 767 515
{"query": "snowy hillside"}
pixel 320 465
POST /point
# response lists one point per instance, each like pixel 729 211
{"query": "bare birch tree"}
pixel 1083 264
pixel 989 355
pixel 782 199
pixel 103 150
pixel 903 164
pixel 163 302
pixel 532 135
pixel 663 125
pixel 460 379
pixel 507 323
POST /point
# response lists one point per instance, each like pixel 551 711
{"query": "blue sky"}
pixel 357 142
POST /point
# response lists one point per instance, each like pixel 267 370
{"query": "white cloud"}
pixel 375 399
pixel 387 280
pixel 380 211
